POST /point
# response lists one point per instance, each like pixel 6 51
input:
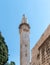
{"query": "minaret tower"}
pixel 24 29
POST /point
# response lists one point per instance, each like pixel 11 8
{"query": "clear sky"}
pixel 11 11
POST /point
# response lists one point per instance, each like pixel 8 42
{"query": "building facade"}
pixel 41 51
pixel 24 30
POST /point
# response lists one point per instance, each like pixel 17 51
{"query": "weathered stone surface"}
pixel 41 51
pixel 24 29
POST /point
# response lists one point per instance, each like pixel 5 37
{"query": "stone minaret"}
pixel 24 29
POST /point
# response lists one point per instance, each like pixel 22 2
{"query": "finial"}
pixel 24 19
pixel 23 15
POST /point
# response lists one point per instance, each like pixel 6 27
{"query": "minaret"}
pixel 24 30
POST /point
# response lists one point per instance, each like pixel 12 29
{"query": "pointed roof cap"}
pixel 24 19
pixel 24 22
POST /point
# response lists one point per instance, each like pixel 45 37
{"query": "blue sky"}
pixel 11 11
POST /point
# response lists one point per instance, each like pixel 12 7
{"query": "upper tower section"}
pixel 24 26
